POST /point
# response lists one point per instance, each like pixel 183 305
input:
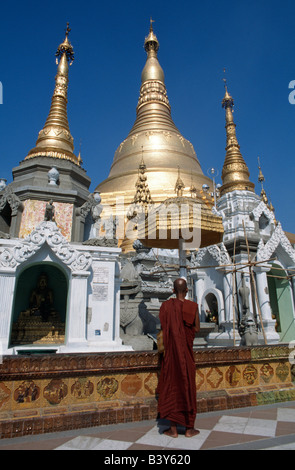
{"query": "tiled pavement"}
pixel 268 427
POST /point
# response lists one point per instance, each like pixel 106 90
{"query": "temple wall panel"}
pixel 46 393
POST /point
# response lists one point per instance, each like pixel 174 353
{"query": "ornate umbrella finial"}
pixel 65 48
pixel 151 24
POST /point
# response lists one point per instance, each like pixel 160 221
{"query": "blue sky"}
pixel 253 40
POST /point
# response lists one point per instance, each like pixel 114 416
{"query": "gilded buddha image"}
pixel 41 300
pixel 40 323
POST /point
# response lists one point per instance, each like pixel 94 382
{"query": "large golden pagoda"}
pixel 166 152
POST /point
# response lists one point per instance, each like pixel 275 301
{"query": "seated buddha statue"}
pixel 41 299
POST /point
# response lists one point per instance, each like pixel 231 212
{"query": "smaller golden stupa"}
pixel 235 173
pixel 55 139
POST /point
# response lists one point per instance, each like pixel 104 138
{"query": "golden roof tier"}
pixel 180 219
pixel 155 137
pixel 55 139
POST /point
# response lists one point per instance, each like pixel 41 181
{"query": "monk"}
pixel 177 387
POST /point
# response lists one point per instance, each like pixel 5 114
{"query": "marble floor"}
pixel 269 427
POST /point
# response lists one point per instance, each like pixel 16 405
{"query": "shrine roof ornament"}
pixel 45 233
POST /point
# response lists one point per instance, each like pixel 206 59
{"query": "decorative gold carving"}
pixel 153 91
pixel 182 139
pixel 200 379
pixel 32 330
pixel 56 131
pixel 179 185
pixel 233 376
pixel 133 138
pixel 142 199
pixel 282 371
pixel 266 372
pixel 107 387
pixel 82 388
pixel 214 377
pixel 250 374
pixel 26 392
pixel 5 394
pixel 150 383
pixel 55 391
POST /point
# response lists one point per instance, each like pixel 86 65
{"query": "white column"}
pixel 76 315
pixel 7 285
pixel 227 336
pixel 262 291
pixel 230 309
pixel 227 293
pixel 116 332
pixel 199 290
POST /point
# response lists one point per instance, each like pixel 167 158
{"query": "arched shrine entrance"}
pixel 40 306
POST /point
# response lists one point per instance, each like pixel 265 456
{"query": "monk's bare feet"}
pixel 191 432
pixel 171 432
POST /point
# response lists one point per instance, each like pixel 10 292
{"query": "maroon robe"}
pixel 177 400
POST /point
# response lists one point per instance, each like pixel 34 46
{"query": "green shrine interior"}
pixel 39 312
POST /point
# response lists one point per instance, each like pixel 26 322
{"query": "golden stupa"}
pixel 155 139
pixel 235 173
pixel 55 139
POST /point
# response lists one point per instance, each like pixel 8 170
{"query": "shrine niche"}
pixel 211 308
pixel 40 306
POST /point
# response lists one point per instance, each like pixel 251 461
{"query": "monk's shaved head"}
pixel 180 286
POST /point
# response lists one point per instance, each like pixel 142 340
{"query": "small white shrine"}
pixel 58 296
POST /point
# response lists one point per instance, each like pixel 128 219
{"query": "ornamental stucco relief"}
pixel 46 232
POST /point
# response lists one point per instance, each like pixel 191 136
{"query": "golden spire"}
pixel 261 180
pixel 152 69
pixel 55 139
pixel 179 185
pixel 142 198
pixel 153 91
pixel 235 173
pixel 263 195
